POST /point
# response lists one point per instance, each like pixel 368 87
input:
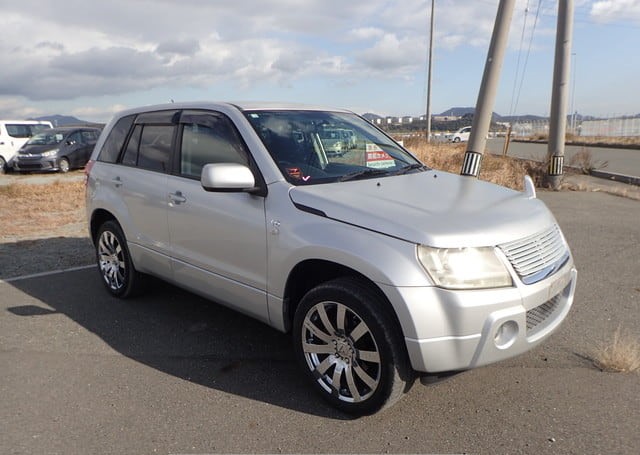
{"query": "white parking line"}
pixel 52 272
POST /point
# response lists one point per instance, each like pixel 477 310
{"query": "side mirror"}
pixel 227 177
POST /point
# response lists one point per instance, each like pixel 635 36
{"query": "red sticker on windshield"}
pixel 294 172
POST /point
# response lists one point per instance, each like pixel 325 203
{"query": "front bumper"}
pixel 455 330
pixel 35 164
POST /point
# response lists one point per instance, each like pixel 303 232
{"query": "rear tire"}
pixel 3 165
pixel 114 262
pixel 350 346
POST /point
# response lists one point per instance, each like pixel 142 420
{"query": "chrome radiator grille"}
pixel 537 256
pixel 539 314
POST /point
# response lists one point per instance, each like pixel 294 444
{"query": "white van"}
pixel 13 134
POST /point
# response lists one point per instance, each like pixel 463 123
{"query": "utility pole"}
pixel 559 95
pixel 428 117
pixel 488 88
pixel 574 71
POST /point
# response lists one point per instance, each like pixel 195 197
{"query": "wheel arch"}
pixel 312 272
pixel 98 218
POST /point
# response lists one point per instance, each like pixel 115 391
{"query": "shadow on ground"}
pixel 27 257
pixel 182 335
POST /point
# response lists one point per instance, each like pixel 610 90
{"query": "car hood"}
pixel 431 208
pixel 37 148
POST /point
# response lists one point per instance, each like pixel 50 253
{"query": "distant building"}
pixel 445 118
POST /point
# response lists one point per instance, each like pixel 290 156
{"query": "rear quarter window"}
pixel 115 141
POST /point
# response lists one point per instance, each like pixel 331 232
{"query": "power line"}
pixel 515 79
pixel 526 60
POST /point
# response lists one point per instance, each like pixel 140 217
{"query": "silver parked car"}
pixel 381 268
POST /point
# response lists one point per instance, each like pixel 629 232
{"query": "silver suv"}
pixel 382 269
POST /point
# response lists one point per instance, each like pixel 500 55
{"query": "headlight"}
pixel 464 268
pixel 50 152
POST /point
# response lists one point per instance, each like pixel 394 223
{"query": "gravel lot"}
pixel 54 247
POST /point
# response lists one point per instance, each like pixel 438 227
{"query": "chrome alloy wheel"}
pixel 64 165
pixel 341 352
pixel 111 260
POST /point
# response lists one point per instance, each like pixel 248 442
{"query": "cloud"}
pixel 58 54
pixel 366 33
pixel 616 10
pixel 14 107
pixel 185 47
pixel 393 54
pixel 89 113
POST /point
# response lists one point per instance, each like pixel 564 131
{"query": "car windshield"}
pixel 313 147
pixel 46 138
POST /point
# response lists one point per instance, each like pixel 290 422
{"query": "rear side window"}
pixel 19 131
pixel 114 142
pixel 154 152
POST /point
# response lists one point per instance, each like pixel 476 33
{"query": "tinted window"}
pixel 113 145
pixel 130 157
pixel 37 128
pixel 209 139
pixel 155 147
pixel 89 137
pixel 16 130
pixel 75 138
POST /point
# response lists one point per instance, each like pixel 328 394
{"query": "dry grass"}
pixel 584 161
pixel 501 170
pixel 621 354
pixel 29 209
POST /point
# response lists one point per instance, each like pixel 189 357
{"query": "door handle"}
pixel 117 182
pixel 177 198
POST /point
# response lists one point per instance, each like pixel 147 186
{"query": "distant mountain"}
pixel 371 117
pixel 521 118
pixel 62 120
pixel 457 111
pixel 469 111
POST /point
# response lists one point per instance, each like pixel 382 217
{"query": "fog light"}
pixel 506 335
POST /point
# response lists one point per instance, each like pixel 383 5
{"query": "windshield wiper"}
pixel 362 173
pixel 411 167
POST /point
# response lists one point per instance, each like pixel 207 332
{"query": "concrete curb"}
pixel 581 182
pixel 628 179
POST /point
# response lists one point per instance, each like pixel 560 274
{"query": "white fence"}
pixel 616 127
pixel 610 127
pixel 533 128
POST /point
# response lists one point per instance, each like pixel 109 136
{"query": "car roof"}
pixel 241 106
pixel 67 129
pixel 27 122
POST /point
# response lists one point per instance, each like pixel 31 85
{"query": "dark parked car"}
pixel 57 149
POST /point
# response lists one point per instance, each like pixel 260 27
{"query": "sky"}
pixel 90 58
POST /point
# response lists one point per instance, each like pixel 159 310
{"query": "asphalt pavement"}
pixel 169 372
pixel 622 161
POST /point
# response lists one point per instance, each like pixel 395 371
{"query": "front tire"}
pixel 348 343
pixel 64 165
pixel 114 262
